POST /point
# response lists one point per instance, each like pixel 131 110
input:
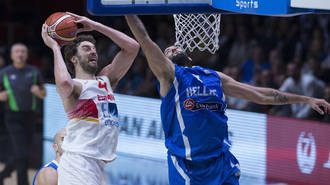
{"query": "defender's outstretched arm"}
pixel 268 95
pixel 160 65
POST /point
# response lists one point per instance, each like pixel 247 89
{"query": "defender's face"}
pixel 172 51
pixel 87 56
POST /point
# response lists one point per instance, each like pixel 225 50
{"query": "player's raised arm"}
pixel 268 95
pixel 124 58
pixel 160 65
pixel 63 80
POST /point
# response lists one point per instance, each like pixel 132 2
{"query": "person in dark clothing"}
pixel 4 137
pixel 21 84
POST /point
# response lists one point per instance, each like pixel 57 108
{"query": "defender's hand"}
pixel 316 104
pixel 88 24
pixel 50 42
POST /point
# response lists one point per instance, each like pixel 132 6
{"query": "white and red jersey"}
pixel 92 129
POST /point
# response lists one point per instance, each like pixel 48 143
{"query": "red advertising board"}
pixel 298 151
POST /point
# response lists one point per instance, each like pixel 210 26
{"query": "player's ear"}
pixel 74 59
pixel 55 147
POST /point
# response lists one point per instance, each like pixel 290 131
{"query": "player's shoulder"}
pixel 47 175
pixel 204 71
pixel 103 78
pixel 48 171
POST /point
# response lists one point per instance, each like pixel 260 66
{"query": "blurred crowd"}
pixel 289 53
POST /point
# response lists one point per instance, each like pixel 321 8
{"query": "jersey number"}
pixel 103 85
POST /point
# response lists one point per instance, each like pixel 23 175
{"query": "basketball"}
pixel 62 28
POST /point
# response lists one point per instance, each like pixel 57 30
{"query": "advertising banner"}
pixel 298 151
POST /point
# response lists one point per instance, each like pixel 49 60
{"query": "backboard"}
pixel 257 7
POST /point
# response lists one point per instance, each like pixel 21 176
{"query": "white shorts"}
pixel 76 169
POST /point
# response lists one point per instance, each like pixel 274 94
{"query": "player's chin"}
pixel 93 63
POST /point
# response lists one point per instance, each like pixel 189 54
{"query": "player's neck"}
pixel 85 76
pixel 57 159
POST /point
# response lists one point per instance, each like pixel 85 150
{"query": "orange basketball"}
pixel 62 27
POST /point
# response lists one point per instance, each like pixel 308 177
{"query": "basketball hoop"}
pixel 197 31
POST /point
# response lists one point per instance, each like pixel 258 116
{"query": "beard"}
pixel 90 68
pixel 181 59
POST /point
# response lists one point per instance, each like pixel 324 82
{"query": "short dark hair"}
pixel 71 50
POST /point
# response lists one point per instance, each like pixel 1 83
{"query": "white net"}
pixel 197 31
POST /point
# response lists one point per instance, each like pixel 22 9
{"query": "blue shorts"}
pixel 223 170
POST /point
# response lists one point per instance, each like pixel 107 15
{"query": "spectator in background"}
pixel 277 67
pixel 2 62
pixel 20 85
pixel 316 47
pixel 147 87
pixel 326 62
pixel 4 140
pixel 226 41
pixel 46 69
pixel 132 82
pixel 302 84
pixel 264 78
pixel 256 64
pixel 241 48
pixel 232 102
pixel 325 66
pixel 326 118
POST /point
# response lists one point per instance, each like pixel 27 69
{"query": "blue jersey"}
pixel 52 164
pixel 193 115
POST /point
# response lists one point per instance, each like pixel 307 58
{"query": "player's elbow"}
pixel 133 48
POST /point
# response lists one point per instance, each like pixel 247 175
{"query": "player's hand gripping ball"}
pixel 62 28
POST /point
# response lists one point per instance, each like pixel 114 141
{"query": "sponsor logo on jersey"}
pixel 111 122
pixel 191 104
pixel 200 91
pixel 106 97
pixel 306 153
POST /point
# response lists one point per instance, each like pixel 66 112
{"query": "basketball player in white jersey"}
pixel 47 175
pixel 92 130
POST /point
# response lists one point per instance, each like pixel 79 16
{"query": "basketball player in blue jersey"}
pixel 47 175
pixel 193 113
